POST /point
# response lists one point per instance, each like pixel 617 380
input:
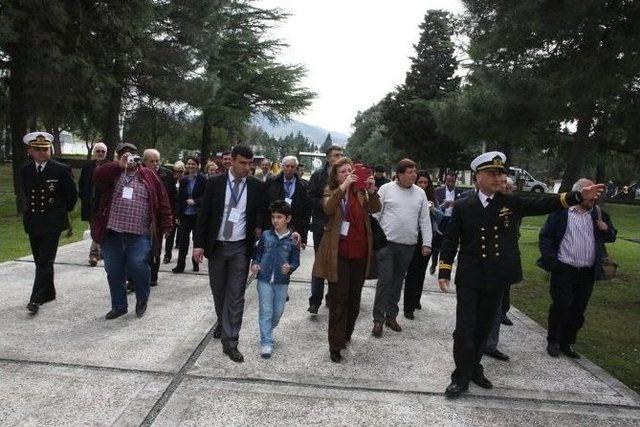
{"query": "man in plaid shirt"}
pixel 134 213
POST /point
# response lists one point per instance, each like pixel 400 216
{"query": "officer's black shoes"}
pixel 393 325
pixel 497 354
pixel 153 284
pixel 234 354
pixel 553 349
pixel 196 267
pixel 409 315
pixel 166 260
pixel 454 391
pixel 482 381
pixel 377 329
pixel 313 308
pixel 114 314
pixel 335 356
pixel 505 320
pixel 141 308
pixel 418 306
pixel 178 269
pixel 217 331
pixel 130 287
pixel 33 307
pixel 569 352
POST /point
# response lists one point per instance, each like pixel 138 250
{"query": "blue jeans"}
pixel 126 256
pixel 272 298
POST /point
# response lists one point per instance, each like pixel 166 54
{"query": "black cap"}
pixel 379 168
pixel 123 145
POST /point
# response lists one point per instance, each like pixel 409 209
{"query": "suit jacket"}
pixel 85 189
pixel 489 256
pixel 261 177
pixel 300 204
pixel 317 184
pixel 48 197
pixel 209 219
pixel 553 232
pixel 440 194
pixel 169 182
pixel 183 193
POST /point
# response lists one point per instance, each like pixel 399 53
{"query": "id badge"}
pixel 288 200
pixel 234 215
pixel 344 228
pixel 127 193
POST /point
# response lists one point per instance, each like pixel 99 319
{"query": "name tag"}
pixel 234 215
pixel 288 200
pixel 344 228
pixel 127 193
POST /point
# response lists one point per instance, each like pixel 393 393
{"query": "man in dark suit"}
pixel 446 197
pixel 229 222
pixel 484 227
pixel 49 194
pixel 288 186
pixel 88 196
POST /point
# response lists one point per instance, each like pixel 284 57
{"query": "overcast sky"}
pixel 355 51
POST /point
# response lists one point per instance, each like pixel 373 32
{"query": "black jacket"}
pixel 300 204
pixel 183 193
pixel 169 182
pixel 317 183
pixel 48 197
pixel 85 189
pixel 212 207
pixel 553 232
pixel 440 194
pixel 489 256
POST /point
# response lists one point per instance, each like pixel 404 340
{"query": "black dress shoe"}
pixel 196 267
pixel 335 356
pixel 130 287
pixel 234 354
pixel 432 270
pixel 569 352
pixel 419 307
pixel 409 315
pixel 482 381
pixel 217 331
pixel 47 299
pixel 33 307
pixel 505 320
pixel 393 325
pixel 313 308
pixel 377 329
pixel 166 260
pixel 153 284
pixel 178 269
pixel 141 308
pixel 497 354
pixel 454 391
pixel 553 349
pixel 114 314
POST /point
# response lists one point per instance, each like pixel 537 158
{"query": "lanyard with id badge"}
pixel 234 214
pixel 344 227
pixel 127 192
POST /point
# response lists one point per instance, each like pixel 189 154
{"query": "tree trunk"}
pixel 206 137
pixel 114 106
pixel 577 154
pixel 18 114
pixel 57 145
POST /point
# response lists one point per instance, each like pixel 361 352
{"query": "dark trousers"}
pixel 154 261
pixel 436 242
pixel 344 301
pixel 506 300
pixel 392 262
pixel 317 283
pixel 44 248
pixel 228 268
pixel 570 291
pixel 414 280
pixel 475 313
pixel 187 224
pixel 168 243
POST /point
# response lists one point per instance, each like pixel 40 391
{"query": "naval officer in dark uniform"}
pixel 49 194
pixel 483 225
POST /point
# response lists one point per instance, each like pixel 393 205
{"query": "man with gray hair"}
pixel 151 159
pixel 88 196
pixel 572 249
pixel 288 186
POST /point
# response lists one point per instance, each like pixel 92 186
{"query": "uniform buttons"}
pixel 482 237
pixel 496 245
pixel 496 236
pixel 33 190
pixel 42 191
pixel 482 246
pixel 484 255
pixel 495 227
pixel 481 228
pixel 497 253
pixel 33 210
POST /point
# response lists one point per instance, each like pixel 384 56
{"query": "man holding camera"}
pixel 134 213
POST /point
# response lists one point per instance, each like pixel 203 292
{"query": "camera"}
pixel 133 160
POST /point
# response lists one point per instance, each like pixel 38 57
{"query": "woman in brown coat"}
pixel 345 252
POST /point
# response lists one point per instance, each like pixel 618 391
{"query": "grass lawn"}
pixel 611 334
pixel 14 242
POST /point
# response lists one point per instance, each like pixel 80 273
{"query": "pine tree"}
pixel 328 142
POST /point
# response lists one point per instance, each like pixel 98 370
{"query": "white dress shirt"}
pixel 43 164
pixel 449 196
pixel 484 199
pixel 240 227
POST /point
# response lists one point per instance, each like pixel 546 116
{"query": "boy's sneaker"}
pixel 265 351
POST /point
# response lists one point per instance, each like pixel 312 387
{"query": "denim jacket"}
pixel 272 253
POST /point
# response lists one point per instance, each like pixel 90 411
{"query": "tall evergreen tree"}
pixel 328 142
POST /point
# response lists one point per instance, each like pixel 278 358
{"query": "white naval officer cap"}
pixel 492 160
pixel 38 139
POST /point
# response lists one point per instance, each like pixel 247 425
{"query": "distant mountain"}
pixel 316 134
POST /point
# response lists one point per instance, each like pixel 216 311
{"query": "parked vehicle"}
pixel 529 183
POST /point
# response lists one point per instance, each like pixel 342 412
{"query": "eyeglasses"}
pixel 100 151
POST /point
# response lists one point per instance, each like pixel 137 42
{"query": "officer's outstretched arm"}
pixel 449 247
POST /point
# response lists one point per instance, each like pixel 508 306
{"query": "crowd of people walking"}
pixel 364 226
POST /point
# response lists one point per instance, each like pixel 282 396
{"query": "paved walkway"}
pixel 68 366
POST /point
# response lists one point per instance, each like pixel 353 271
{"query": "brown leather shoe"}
pixel 393 325
pixel 93 260
pixel 377 329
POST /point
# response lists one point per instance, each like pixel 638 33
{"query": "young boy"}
pixel 275 259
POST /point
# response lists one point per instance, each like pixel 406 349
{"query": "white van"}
pixel 529 183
